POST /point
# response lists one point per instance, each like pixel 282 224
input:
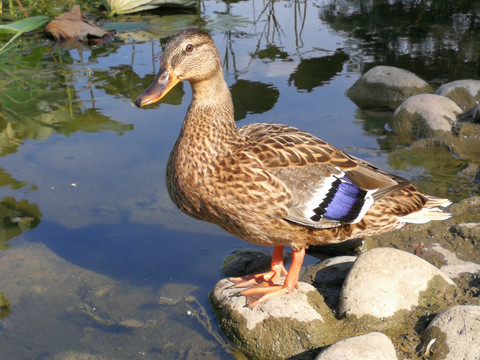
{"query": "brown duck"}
pixel 271 184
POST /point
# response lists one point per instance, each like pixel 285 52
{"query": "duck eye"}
pixel 189 48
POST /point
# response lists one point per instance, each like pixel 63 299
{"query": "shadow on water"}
pixel 141 255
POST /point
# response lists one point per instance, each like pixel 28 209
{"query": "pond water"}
pixel 95 258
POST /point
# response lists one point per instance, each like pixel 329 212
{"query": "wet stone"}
pixel 384 281
pixel 424 115
pixel 75 355
pixel 279 328
pixel 455 334
pixel 471 115
pixel 328 276
pixel 465 93
pixel 248 261
pixel 468 230
pixel 383 290
pixel 386 87
pixel 454 266
pixel 372 346
pixel 466 140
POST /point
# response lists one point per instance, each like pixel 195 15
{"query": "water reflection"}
pixel 252 97
pixel 16 217
pixel 314 72
pixel 432 38
pixel 40 97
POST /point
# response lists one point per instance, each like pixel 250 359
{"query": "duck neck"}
pixel 210 115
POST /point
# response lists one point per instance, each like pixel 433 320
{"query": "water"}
pixel 96 258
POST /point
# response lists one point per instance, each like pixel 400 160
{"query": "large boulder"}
pixel 386 87
pixel 424 116
pixel 384 281
pixel 279 328
pixel 465 93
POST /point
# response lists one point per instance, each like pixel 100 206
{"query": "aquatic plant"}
pixel 20 27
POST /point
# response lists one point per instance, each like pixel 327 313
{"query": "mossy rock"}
pixel 386 87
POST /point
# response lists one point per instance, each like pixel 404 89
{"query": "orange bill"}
pixel 165 80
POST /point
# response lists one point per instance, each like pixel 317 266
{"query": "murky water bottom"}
pixel 97 260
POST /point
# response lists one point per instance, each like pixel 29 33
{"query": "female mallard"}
pixel 271 184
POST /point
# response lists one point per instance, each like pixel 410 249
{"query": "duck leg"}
pixel 266 285
pixel 272 276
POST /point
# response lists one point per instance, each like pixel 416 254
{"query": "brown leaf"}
pixel 73 25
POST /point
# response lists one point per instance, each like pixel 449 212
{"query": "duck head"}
pixel 189 55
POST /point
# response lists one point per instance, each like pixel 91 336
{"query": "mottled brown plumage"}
pixel 271 184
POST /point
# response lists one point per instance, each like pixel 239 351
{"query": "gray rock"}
pixel 243 262
pixel 279 328
pixel 465 93
pixel 386 87
pixel 384 281
pixel 328 276
pixel 456 332
pixel 372 346
pixel 455 266
pixel 466 140
pixel 424 115
pixel 469 231
pixel 471 115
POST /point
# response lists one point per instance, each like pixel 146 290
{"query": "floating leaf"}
pixel 73 25
pixel 21 26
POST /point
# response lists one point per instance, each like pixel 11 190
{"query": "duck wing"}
pixel 327 187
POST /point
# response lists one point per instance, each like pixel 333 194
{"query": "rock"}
pixel 351 246
pixel 465 93
pixel 468 231
pixel 472 171
pixel 455 266
pixel 386 87
pixel 4 306
pixel 456 332
pixel 384 281
pixel 467 137
pixel 328 276
pixel 471 115
pixel 462 141
pixel 424 115
pixel 248 261
pixel 372 346
pixel 75 355
pixel 279 328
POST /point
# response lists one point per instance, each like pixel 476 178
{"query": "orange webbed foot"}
pixel 258 294
pixel 270 277
pixel 263 286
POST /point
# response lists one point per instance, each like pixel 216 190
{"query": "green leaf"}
pixel 21 26
pixel 24 25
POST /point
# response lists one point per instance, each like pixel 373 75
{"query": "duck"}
pixel 271 184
